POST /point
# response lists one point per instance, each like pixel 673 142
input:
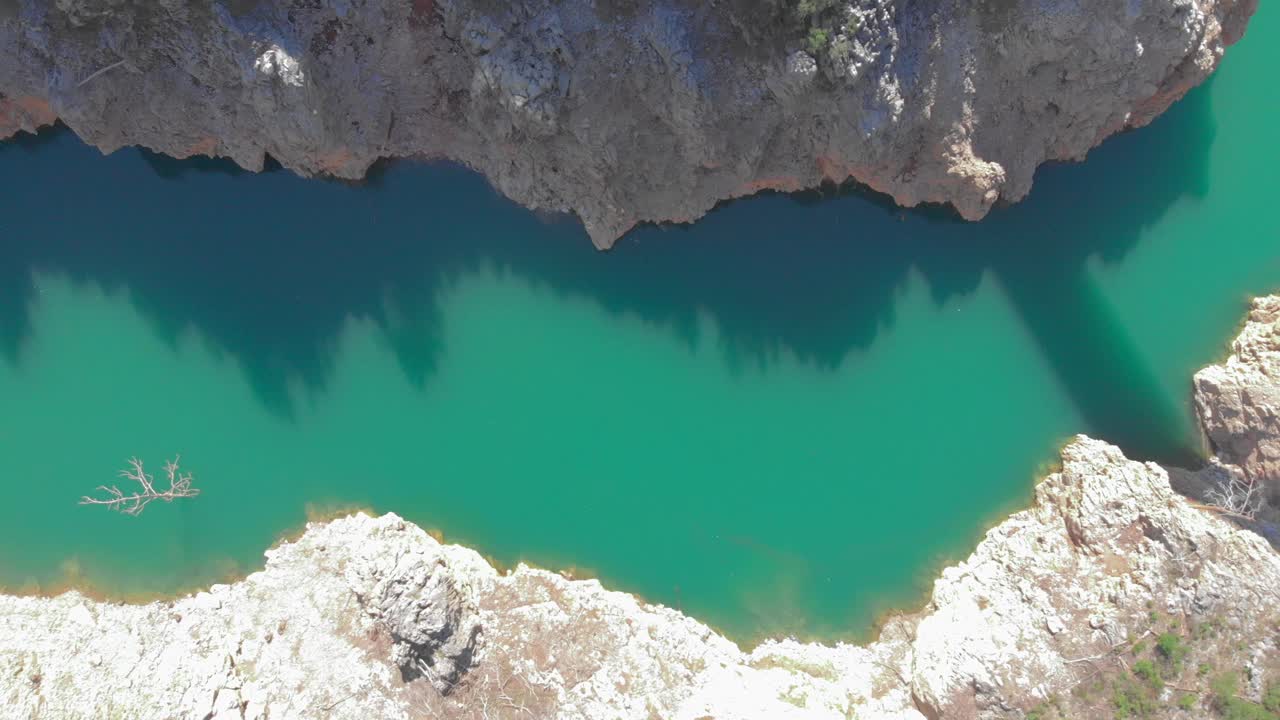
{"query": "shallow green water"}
pixel 783 419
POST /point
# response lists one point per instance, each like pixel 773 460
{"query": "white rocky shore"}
pixel 1051 617
pixel 621 111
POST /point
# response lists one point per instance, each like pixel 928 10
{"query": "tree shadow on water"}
pixel 270 268
pixel 1101 209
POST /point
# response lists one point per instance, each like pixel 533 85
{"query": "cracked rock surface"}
pixel 1238 401
pixel 621 111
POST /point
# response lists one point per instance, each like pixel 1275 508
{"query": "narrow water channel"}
pixel 784 418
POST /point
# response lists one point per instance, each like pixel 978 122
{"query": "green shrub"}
pixel 1131 700
pixel 817 40
pixel 1147 672
pixel 811 11
pixel 762 22
pixel 1172 650
pixel 1209 628
pixel 1271 699
pixel 1187 701
pixel 1224 686
pixel 839 52
pixel 1238 709
pixel 818 22
pixel 1231 707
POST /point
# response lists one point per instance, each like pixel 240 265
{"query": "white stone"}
pixel 275 62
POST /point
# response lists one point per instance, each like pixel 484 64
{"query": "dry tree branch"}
pixel 179 487
pixel 1236 495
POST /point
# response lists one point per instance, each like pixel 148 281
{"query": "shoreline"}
pixel 1105 550
pixel 858 636
pixel 927 574
pixel 924 105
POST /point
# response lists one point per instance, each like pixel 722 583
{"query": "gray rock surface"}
pixel 370 617
pixel 433 626
pixel 1238 402
pixel 621 111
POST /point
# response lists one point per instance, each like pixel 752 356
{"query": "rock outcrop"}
pixel 621 111
pixel 433 626
pixel 1110 591
pixel 1238 402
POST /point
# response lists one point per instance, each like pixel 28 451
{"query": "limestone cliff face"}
pixel 370 617
pixel 621 111
pixel 1238 402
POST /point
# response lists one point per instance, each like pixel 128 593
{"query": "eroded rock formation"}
pixel 1109 589
pixel 621 111
pixel 1238 402
pixel 432 624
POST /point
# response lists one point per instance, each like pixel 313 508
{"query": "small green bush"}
pixel 1187 701
pixel 1147 672
pixel 1131 700
pixel 810 10
pixel 1209 628
pixel 1238 709
pixel 1271 699
pixel 1172 650
pixel 817 40
pixel 1231 707
pixel 1224 686
pixel 839 52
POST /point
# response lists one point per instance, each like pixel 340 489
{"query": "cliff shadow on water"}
pixel 268 268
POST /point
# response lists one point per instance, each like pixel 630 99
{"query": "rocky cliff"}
pixel 1111 596
pixel 621 111
pixel 1238 403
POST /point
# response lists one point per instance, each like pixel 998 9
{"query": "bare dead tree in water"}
pixel 179 487
pixel 1237 495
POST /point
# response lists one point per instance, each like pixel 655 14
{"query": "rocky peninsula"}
pixel 620 111
pixel 1111 596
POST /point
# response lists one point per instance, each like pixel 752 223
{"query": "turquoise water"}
pixel 784 418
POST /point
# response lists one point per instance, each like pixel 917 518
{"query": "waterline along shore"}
pixel 369 616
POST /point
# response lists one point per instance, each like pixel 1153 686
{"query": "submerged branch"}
pixel 134 504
